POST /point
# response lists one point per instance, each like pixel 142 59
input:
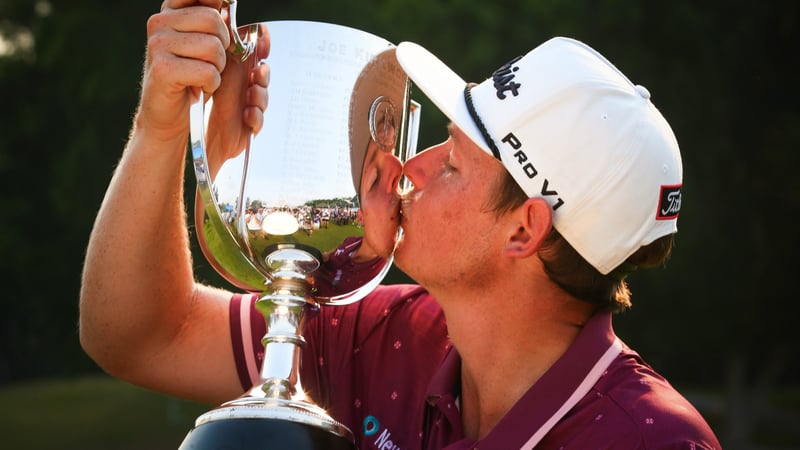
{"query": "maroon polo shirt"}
pixel 341 275
pixel 385 368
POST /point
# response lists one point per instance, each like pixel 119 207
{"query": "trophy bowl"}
pixel 274 212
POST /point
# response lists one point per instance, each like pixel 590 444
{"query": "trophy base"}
pixel 252 423
pixel 262 434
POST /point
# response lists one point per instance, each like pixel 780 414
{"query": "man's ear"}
pixel 531 224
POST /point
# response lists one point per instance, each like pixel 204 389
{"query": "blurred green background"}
pixel 718 321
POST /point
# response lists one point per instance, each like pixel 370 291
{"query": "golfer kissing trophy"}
pixel 271 207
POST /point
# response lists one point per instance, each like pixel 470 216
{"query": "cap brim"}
pixel 441 85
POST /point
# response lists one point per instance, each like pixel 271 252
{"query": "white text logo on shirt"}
pixel 383 442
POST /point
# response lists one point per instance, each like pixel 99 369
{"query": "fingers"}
pixel 257 98
pixel 196 16
pixel 263 44
pixel 260 75
pixel 190 41
pixel 177 4
pixel 187 44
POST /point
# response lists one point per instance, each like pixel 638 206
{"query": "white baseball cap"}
pixel 572 129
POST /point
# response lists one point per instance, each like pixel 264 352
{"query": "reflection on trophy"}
pixel 305 213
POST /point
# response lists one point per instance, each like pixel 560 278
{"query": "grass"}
pixel 92 413
pixel 99 412
pixel 230 257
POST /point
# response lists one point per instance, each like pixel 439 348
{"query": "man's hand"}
pixel 186 55
pixel 239 103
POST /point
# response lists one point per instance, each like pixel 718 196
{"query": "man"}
pixel 559 178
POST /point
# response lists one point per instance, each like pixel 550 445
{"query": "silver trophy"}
pixel 272 208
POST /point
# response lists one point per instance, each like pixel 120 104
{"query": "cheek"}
pixel 453 208
pixel 378 206
pixel 445 225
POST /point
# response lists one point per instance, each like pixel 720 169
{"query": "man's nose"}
pixel 419 169
pixel 392 170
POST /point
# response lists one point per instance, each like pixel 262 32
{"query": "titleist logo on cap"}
pixel 503 79
pixel 669 206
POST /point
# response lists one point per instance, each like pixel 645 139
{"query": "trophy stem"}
pixel 279 397
pixel 285 312
pixel 285 306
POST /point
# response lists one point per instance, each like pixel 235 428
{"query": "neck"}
pixel 506 344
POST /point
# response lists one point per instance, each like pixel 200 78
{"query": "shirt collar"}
pixel 545 397
pixel 446 380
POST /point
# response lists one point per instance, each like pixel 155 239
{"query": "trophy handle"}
pixel 240 47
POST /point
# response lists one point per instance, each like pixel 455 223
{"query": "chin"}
pixel 385 250
pixel 400 254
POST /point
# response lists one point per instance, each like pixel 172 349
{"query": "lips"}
pixel 397 212
pixel 404 207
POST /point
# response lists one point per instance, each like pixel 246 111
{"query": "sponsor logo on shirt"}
pixel 383 441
